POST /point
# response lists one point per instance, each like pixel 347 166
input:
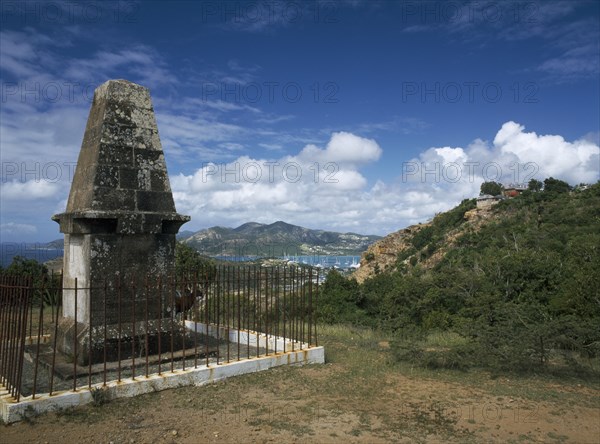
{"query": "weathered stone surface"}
pixel 120 222
pixel 121 153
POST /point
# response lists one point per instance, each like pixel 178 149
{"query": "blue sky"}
pixel 362 116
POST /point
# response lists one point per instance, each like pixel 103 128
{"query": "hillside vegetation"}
pixel 512 288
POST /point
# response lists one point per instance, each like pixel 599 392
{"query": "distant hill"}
pixel 250 239
pixel 184 234
pixel 57 243
pixel 40 251
pixel 276 239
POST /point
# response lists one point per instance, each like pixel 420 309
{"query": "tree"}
pixel 339 300
pixel 534 185
pixel 22 266
pixel 47 285
pixel 552 185
pixel 189 262
pixel 491 188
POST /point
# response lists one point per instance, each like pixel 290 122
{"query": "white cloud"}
pixel 335 195
pixel 318 181
pixel 30 190
pixel 571 161
pixel 343 148
pixel 437 180
pixel 11 228
pixel 514 156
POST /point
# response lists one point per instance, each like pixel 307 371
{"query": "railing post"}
pixel 26 300
pixel 75 343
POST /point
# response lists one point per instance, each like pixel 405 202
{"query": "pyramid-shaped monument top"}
pixel 121 174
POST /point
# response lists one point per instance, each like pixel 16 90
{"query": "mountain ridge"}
pixel 276 239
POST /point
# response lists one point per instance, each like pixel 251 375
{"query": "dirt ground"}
pixel 358 396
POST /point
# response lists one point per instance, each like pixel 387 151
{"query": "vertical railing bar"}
pixel 8 316
pixel 30 308
pixel 39 337
pixel 172 314
pixel 227 301
pixel 146 342
pixel 160 315
pixel 91 328
pixel 8 313
pixel 316 310
pixel 18 327
pixel 272 312
pixel 293 272
pixel 133 298
pixel 279 302
pixel 239 315
pixel 50 285
pixel 281 305
pixel 13 332
pixel 183 313
pixel 40 329
pixel 303 311
pixel 11 308
pixel 196 317
pixel 105 339
pixel 257 308
pixel 284 305
pixel 247 301
pixel 25 291
pixel 12 314
pixel 51 382
pixel 277 306
pixel 75 343
pixel 206 307
pixel 26 295
pixel 215 302
pixel 3 324
pixel 302 292
pixel 16 334
pixel 267 294
pixel 217 311
pixel 310 305
pixel 22 310
pixel 119 326
pixel 299 307
pixel 6 329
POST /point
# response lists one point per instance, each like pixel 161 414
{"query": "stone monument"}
pixel 120 224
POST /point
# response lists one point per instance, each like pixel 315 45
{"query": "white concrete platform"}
pixel 302 353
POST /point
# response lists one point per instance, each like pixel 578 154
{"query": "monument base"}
pixel 93 345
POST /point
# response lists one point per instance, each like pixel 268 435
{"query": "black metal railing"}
pixel 15 301
pixel 76 335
